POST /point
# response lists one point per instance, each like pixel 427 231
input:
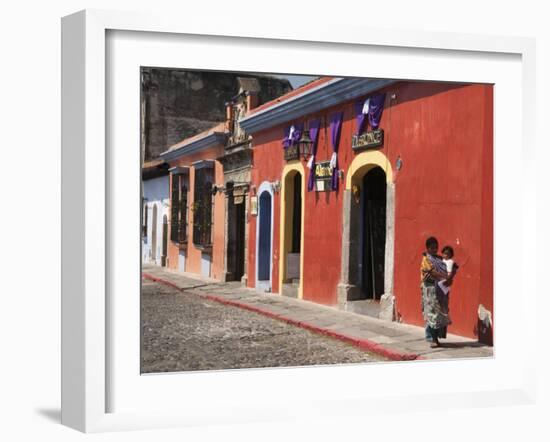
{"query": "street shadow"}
pixel 472 344
pixel 51 414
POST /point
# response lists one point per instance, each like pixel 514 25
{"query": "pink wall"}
pixel 193 260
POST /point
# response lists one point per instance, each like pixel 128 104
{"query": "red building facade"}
pixel 357 244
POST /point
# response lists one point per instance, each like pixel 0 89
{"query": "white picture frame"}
pixel 87 210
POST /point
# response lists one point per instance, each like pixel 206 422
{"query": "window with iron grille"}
pixel 182 228
pixel 202 207
pixel 175 210
pixel 178 216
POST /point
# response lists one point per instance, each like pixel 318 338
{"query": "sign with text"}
pixel 323 176
pixel 292 152
pixel 368 140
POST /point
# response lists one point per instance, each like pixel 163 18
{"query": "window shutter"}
pixel 202 208
pixel 207 208
pixel 182 228
pixel 197 213
pixel 174 201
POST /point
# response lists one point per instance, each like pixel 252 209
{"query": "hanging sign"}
pixel 323 176
pixel 238 195
pixel 292 152
pixel 254 205
pixel 368 140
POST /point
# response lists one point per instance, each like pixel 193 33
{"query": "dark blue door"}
pixel 264 246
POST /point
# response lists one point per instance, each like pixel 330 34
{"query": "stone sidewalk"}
pixel 389 339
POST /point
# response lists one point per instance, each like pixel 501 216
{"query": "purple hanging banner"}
pixel 376 106
pixel 297 134
pixel 314 135
pixel 335 126
pixel 286 140
pixel 360 117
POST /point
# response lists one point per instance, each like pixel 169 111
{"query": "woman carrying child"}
pixel 435 300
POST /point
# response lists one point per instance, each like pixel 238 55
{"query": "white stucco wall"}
pixel 156 192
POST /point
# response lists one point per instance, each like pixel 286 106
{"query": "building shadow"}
pixel 471 344
pixel 51 414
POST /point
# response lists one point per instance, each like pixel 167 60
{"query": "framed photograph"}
pixel 279 223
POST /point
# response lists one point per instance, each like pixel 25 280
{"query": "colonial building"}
pixel 237 163
pixel 209 182
pixel 349 178
pixel 156 203
pixel 197 215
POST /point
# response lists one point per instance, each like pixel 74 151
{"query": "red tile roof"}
pixel 219 128
pixel 151 164
pixel 293 93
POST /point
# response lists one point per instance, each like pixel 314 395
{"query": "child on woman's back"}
pixel 447 252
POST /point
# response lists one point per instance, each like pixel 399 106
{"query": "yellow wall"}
pixel 285 239
pixel 365 161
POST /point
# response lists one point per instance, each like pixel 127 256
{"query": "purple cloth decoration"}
pixel 296 135
pixel 298 128
pixel 314 135
pixel 360 117
pixel 335 126
pixel 376 106
pixel 286 141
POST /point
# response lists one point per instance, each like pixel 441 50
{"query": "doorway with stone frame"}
pixel 236 234
pixel 366 285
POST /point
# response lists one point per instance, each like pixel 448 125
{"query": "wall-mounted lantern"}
pixel 217 189
pixel 276 186
pixel 304 144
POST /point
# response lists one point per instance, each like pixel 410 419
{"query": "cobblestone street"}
pixel 182 331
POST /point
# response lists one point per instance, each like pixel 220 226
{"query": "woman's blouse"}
pixel 426 266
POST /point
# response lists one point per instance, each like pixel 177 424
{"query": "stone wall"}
pixel 177 104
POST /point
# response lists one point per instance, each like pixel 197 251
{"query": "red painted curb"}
pixel 364 344
pixel 160 280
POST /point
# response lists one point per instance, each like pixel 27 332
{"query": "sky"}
pixel 297 80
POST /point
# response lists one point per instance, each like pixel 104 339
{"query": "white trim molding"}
pixel 327 94
pixel 194 145
pixel 265 286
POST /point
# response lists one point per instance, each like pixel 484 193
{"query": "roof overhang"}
pixel 325 95
pixel 203 164
pixel 180 170
pixel 205 142
pixel 154 169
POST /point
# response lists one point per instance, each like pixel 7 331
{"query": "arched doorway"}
pixel 164 241
pixel 154 234
pixel 373 233
pixel 291 261
pixel 264 235
pixel 366 284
